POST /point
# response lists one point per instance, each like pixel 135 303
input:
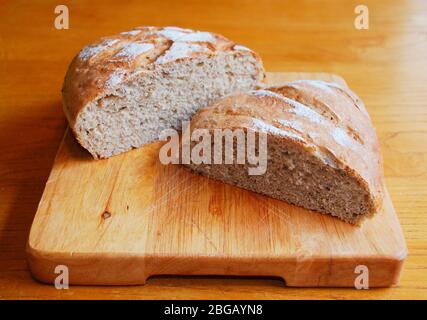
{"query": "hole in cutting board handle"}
pixel 228 280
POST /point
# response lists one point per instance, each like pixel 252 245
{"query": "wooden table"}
pixel 386 65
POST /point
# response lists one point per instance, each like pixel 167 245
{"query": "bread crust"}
pixel 327 120
pixel 92 72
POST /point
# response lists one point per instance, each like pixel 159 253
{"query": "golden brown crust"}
pixel 325 118
pixel 98 66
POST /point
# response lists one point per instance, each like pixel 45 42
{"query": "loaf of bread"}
pixel 323 153
pixel 122 91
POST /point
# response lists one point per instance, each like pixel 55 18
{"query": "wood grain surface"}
pixel 385 65
pixel 121 220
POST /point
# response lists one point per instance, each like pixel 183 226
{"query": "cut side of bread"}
pixel 123 91
pixel 322 151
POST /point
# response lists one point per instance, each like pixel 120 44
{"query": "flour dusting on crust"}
pixel 174 33
pixel 268 128
pixel 133 49
pixel 298 108
pixel 90 51
pixel 293 124
pixel 342 138
pixel 339 135
pixel 198 37
pixel 239 47
pixel 180 50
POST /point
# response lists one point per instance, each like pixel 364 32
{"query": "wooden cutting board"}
pixel 119 221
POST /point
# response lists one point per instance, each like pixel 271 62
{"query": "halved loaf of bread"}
pixel 123 91
pixel 323 153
